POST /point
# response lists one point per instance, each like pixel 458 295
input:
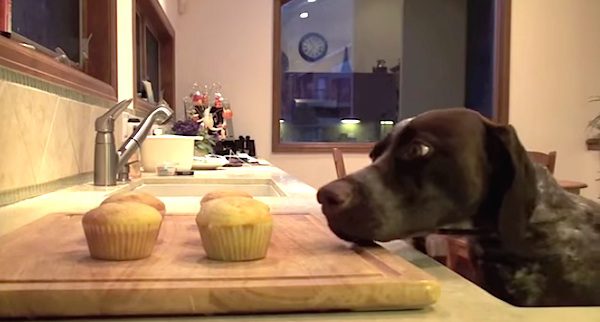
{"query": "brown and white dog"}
pixel 537 244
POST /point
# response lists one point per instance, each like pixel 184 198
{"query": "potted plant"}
pixel 593 142
pixel 204 145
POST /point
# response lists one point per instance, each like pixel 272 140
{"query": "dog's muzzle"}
pixel 347 212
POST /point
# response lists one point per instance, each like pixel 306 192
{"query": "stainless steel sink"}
pixel 200 187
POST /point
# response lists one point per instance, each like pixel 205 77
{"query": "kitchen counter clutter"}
pixel 55 229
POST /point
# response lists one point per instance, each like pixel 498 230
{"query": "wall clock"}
pixel 312 47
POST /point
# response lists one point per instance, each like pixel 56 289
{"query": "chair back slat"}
pixel 546 159
pixel 338 160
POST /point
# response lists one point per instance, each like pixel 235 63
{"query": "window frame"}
pixel 501 65
pixel 156 21
pixel 37 64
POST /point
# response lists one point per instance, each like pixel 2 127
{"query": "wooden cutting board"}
pixel 46 270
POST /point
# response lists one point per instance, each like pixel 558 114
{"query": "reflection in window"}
pixel 140 57
pixel 337 85
pixel 153 62
pixel 350 69
pixel 49 23
pixel 155 54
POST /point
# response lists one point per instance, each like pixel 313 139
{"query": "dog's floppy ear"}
pixel 512 184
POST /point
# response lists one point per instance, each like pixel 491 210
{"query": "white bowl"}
pixel 209 162
pixel 175 149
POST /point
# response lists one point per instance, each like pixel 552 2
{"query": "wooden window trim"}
pixel 502 61
pixel 155 19
pixel 500 99
pixel 28 61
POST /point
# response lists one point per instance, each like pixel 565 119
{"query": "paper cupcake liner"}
pixel 121 242
pixel 236 243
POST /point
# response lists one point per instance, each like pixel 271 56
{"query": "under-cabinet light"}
pixel 350 121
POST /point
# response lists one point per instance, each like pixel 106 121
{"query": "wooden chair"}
pixel 549 161
pixel 460 251
pixel 546 159
pixel 338 160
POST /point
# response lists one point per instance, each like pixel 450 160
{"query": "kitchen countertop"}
pixel 460 299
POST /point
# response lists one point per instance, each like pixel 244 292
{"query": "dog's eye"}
pixel 416 150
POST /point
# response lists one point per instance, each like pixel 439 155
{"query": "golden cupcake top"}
pixel 136 196
pixel 122 213
pixel 232 211
pixel 216 194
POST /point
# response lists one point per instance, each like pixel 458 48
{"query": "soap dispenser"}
pixel 250 148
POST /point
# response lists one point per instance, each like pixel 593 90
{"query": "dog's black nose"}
pixel 335 196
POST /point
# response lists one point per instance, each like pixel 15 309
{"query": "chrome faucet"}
pixel 108 161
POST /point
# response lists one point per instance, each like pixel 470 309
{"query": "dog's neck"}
pixel 550 195
pixel 553 205
pixel 556 251
pixel 562 215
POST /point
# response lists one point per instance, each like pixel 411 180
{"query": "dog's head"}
pixel 439 168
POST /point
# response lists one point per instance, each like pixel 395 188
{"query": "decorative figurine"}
pixel 211 116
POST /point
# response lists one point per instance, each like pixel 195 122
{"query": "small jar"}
pixel 166 169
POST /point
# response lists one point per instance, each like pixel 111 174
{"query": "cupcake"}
pixel 121 230
pixel 136 196
pixel 223 194
pixel 235 228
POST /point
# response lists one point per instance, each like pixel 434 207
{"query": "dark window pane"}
pixel 50 23
pixel 480 60
pixel 139 49
pixel 153 62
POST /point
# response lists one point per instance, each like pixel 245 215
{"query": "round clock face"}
pixel 312 47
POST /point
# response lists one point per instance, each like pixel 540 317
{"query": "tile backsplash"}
pixel 44 136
